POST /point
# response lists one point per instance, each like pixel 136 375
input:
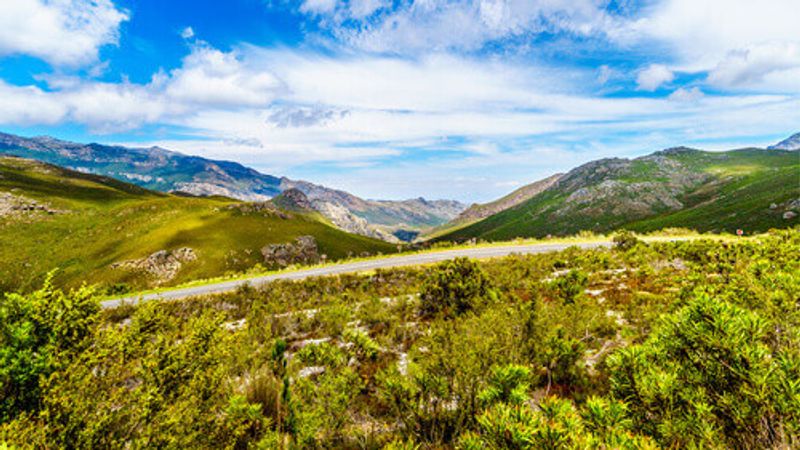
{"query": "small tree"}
pixel 453 288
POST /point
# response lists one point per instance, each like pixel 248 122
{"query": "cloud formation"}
pixel 62 32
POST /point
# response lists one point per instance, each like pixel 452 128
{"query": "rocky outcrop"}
pixel 17 206
pixel 293 200
pixel 303 250
pixel 162 265
pixel 629 188
pixel 266 209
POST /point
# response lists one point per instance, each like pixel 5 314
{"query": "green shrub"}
pixel 453 287
pixel 571 285
pixel 706 376
pixel 38 334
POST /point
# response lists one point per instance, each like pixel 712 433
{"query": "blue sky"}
pixel 403 98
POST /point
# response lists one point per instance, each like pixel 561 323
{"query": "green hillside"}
pixel 751 189
pixel 53 218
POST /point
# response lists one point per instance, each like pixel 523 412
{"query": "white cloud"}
pixel 742 43
pixel 692 94
pixel 653 76
pixel 360 9
pixel 187 33
pixel 437 25
pixel 605 73
pixel 751 65
pixel 318 6
pixel 62 32
pixel 211 77
pixel 29 105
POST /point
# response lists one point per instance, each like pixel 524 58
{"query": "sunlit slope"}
pixel 751 189
pixel 81 224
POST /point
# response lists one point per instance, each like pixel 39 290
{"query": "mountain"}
pixel 477 212
pixel 750 189
pixel 790 143
pixel 168 171
pixel 100 230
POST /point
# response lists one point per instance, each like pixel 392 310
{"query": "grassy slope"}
pixel 113 221
pixel 746 183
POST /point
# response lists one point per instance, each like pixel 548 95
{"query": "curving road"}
pixel 360 266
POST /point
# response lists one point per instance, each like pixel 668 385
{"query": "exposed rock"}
pixel 303 251
pixel 12 205
pixel 347 221
pixel 789 215
pixel 262 208
pixel 294 200
pixel 375 218
pixel 306 372
pixel 163 265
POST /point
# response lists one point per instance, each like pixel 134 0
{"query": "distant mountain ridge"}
pixel 169 171
pixel 751 189
pixel 790 143
pixel 481 211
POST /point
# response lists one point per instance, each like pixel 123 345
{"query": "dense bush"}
pixel 453 287
pixel 39 333
pixel 707 377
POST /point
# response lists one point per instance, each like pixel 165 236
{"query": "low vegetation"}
pixel 686 344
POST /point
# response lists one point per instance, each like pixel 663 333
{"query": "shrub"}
pixel 453 288
pixel 707 377
pixel 569 286
pixel 625 240
pixel 37 333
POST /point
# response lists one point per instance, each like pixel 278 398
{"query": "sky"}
pixel 404 98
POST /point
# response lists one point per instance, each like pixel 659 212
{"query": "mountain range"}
pixel 747 188
pixel 164 170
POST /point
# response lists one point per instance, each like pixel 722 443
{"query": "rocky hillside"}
pixel 100 230
pixel 750 189
pixel 168 171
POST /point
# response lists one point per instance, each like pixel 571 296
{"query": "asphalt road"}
pixel 360 266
